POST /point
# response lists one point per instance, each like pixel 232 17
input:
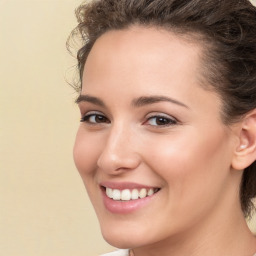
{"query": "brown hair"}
pixel 226 27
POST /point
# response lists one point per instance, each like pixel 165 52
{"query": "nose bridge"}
pixel 118 136
pixel 119 150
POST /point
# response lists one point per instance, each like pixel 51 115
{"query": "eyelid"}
pixel 173 120
pixel 91 113
pixel 159 114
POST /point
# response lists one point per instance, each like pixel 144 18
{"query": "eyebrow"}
pixel 91 99
pixel 147 100
pixel 138 102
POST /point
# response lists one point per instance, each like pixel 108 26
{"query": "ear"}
pixel 245 151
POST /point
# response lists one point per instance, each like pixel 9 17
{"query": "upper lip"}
pixel 124 185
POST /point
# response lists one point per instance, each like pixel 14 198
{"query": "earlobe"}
pixel 245 152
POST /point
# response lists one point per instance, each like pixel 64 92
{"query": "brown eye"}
pixel 94 119
pixel 161 121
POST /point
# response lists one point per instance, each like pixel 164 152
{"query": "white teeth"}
pixel 135 194
pixel 127 194
pixel 150 192
pixel 116 194
pixel 143 193
pixel 109 192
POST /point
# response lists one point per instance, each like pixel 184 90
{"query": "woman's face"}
pixel 151 138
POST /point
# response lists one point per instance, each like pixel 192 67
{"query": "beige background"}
pixel 44 208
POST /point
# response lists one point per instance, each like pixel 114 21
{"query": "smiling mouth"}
pixel 129 194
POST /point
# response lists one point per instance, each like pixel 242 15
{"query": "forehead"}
pixel 141 60
pixel 143 49
pixel 151 42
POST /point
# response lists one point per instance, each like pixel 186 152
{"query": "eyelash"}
pixel 166 121
pixel 86 118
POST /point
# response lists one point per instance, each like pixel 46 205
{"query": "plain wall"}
pixel 44 207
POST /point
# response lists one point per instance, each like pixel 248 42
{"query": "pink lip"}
pixel 125 207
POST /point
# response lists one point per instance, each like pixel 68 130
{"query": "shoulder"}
pixel 117 253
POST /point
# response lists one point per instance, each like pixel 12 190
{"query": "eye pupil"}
pixel 161 121
pixel 100 119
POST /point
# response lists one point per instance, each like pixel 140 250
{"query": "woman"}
pixel 167 142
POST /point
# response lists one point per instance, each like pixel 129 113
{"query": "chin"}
pixel 118 242
pixel 130 236
pixel 123 239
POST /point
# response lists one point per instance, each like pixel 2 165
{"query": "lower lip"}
pixel 125 207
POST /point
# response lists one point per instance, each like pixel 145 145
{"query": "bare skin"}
pixel 178 145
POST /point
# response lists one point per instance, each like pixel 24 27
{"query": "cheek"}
pixel 85 153
pixel 190 151
pixel 194 164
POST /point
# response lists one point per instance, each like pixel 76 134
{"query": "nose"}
pixel 118 151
